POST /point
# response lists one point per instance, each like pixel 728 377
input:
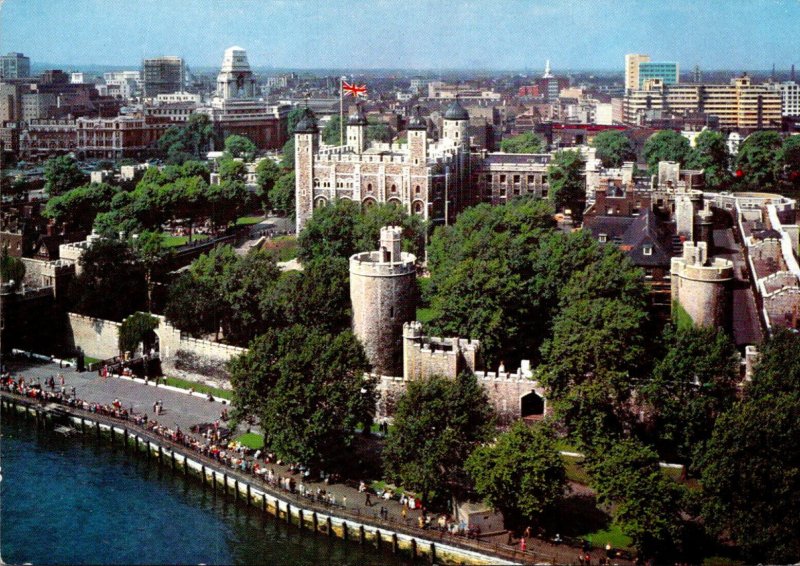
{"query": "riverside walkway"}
pixel 184 410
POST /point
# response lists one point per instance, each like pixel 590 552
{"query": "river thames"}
pixel 71 501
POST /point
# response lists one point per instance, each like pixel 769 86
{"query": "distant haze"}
pixel 411 34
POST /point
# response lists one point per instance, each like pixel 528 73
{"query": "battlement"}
pixel 696 265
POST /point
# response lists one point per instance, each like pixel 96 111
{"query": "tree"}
pixel 318 296
pixel 195 303
pixel 226 201
pixel 267 173
pixel 62 174
pixel 566 177
pixel 309 392
pixel 588 363
pixel 240 146
pixel 711 155
pixel 666 145
pixel 526 142
pixel 331 133
pixel 135 330
pixel 182 143
pixel 644 502
pixel 613 148
pixel 246 314
pixel 521 474
pixel 287 154
pixel 195 169
pixel 12 269
pixel 330 232
pixel 751 466
pixel 759 159
pixel 437 424
pixel 294 116
pixel 111 284
pixel 481 272
pixel 232 170
pixel 80 206
pixel 379 132
pixel 790 159
pixel 690 387
pixel 778 367
pixel 281 196
pixel 149 250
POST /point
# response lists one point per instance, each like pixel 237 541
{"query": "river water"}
pixel 72 501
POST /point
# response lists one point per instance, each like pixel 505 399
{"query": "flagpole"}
pixel 341 110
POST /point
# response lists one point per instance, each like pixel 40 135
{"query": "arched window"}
pixel 394 188
pixel 417 189
pixel 369 187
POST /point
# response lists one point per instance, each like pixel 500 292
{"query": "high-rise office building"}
pixel 163 75
pixel 639 68
pixel 666 71
pixel 14 66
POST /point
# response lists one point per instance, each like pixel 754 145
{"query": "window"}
pixel 369 187
pixel 530 179
pixel 502 178
pixel 394 188
pixel 516 179
pixel 417 189
pixel 602 238
pixel 648 273
pixel 647 249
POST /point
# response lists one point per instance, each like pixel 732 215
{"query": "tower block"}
pixel 383 293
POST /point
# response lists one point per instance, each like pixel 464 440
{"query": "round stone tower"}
pixel 383 293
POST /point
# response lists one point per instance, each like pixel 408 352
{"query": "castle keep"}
pixel 435 179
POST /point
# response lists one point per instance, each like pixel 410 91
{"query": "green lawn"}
pixel 178 241
pixel 251 440
pixel 612 534
pixel 284 246
pixel 199 387
pixel 248 220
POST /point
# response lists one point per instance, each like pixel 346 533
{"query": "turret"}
pixel 306 144
pixel 456 125
pixel 383 295
pixel 357 130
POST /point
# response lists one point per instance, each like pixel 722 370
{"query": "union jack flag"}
pixel 354 90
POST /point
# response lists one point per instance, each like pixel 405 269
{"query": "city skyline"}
pixel 376 35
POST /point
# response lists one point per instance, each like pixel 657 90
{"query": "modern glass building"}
pixel 667 72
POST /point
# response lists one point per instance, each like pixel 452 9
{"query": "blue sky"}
pixel 421 34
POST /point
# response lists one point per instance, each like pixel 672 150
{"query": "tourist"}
pixel 368 502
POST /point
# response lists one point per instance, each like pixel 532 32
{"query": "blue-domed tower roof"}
pixel 456 112
pixel 307 124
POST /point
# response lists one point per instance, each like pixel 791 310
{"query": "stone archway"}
pixel 531 405
pixel 368 202
pixel 320 202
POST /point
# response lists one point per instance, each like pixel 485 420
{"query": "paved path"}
pixel 186 410
pixel 746 322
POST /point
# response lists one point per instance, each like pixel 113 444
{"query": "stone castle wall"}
pixel 97 338
pixel 181 356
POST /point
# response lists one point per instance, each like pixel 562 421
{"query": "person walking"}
pixel 368 502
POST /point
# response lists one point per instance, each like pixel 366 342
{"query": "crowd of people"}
pixel 213 441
